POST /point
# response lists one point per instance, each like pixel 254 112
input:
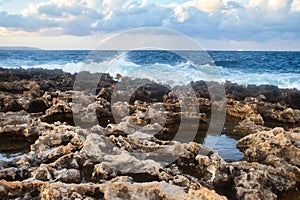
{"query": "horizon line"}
pixel 29 48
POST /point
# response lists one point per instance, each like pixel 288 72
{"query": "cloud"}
pixel 27 23
pixel 136 16
pixel 270 4
pixel 54 10
pixel 181 13
pixel 208 5
pixel 233 5
pixel 252 20
pixel 295 6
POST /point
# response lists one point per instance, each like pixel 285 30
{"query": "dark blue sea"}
pixel 247 67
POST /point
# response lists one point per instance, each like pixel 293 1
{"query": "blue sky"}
pixel 215 24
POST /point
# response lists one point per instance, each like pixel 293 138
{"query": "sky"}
pixel 214 24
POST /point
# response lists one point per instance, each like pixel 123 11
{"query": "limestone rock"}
pixel 68 175
pixel 110 190
pixel 252 124
pixel 12 173
pixel 125 149
pixel 18 125
pixel 56 142
pixel 95 147
pixel 239 110
pixel 276 142
pixel 43 173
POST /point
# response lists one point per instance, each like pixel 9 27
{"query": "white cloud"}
pixel 208 5
pixel 295 6
pixel 252 20
pixel 257 3
pixel 278 4
pixel 181 13
pixel 113 4
pixel 269 4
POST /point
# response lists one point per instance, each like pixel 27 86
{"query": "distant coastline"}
pixel 18 48
pixel 208 50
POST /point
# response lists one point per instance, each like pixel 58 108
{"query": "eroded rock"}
pixel 110 190
pixel 276 142
pixel 128 159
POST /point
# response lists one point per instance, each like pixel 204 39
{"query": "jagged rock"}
pixel 276 142
pixel 57 141
pixel 127 158
pixel 14 121
pixel 155 190
pixel 295 130
pixel 68 175
pixel 12 173
pixel 120 109
pixel 69 161
pixel 203 194
pixel 252 124
pixel 253 180
pixel 59 111
pixel 138 141
pixel 287 116
pixel 129 125
pixel 9 102
pixel 239 110
pixel 95 147
pixel 110 190
pixel 278 113
pixel 76 108
pixel 256 119
pixel 18 126
pixel 18 87
pixel 43 173
pixel 34 105
pixel 22 95
pixel 130 90
pixel 281 151
pixel 270 93
pixel 249 180
pixel 125 164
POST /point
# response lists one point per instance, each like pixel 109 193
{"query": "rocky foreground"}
pixel 111 160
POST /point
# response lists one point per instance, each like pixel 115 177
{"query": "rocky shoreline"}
pixel 110 160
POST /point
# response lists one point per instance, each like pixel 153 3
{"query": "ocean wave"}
pixel 282 80
pixel 179 73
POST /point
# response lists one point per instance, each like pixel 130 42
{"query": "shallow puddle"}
pixel 10 156
pixel 225 146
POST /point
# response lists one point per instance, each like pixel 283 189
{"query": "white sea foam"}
pixel 179 73
pixel 282 80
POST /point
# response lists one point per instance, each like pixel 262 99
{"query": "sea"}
pixel 277 68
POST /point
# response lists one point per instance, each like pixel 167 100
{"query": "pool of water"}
pixel 10 156
pixel 225 146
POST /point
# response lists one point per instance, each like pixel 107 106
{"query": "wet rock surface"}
pixel 82 144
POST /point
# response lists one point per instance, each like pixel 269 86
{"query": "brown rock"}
pixel 277 142
pixel 110 190
pixel 252 124
pixel 239 110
